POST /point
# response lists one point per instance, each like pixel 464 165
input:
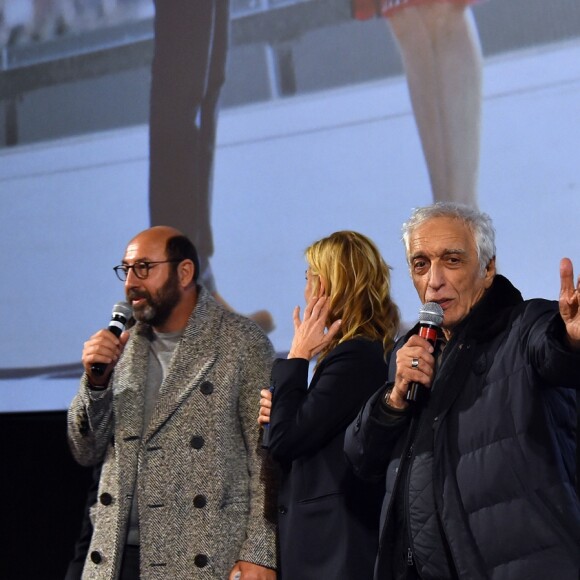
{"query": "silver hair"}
pixel 477 221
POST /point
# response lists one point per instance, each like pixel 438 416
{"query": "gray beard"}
pixel 146 314
pixel 166 300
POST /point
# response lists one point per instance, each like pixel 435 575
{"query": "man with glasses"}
pixel 182 492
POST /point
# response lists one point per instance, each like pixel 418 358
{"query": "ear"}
pixel 185 272
pixel 490 273
pixel 321 286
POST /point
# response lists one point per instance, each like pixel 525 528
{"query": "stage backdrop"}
pixel 315 134
pixel 288 171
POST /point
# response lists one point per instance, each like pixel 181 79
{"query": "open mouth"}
pixel 137 301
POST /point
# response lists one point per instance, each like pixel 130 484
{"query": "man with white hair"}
pixel 480 475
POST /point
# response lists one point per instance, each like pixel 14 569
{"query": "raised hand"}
pixel 310 334
pixel 570 302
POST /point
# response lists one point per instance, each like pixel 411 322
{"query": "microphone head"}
pixel 123 309
pixel 431 313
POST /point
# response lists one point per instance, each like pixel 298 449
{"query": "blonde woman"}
pixel 328 520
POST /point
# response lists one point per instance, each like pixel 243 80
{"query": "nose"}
pixel 131 280
pixel 436 276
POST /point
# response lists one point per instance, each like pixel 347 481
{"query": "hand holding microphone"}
pixel 105 347
pixel 430 319
pixel 416 360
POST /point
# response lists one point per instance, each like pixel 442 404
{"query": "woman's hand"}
pixel 310 336
pixel 265 406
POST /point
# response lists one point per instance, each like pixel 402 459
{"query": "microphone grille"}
pixel 123 309
pixel 431 313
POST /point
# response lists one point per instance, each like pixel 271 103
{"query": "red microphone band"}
pixel 429 333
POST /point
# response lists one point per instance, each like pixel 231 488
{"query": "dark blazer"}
pixel 328 519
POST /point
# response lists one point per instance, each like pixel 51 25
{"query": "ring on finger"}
pixel 415 363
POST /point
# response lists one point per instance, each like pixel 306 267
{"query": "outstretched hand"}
pixel 570 302
pixel 310 333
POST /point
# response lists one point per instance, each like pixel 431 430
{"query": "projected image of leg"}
pixel 441 54
pixel 188 73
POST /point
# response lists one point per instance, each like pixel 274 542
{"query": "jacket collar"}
pixel 492 313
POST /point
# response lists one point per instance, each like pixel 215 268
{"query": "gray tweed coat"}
pixel 202 485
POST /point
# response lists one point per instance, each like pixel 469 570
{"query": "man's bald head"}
pixel 172 242
pixel 157 235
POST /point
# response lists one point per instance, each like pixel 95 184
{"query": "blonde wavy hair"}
pixel 358 283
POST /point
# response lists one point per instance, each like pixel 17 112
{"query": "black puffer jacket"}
pixel 503 444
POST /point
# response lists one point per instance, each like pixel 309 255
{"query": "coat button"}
pixel 199 501
pixel 282 509
pixel 200 560
pixel 106 498
pixel 197 442
pixel 206 388
pixel 96 557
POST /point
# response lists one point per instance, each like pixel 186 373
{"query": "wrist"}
pixel 573 344
pixel 97 387
pixel 298 354
pixel 392 399
pixel 93 386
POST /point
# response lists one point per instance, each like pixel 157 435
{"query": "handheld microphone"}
pixel 430 319
pixel 266 430
pixel 122 312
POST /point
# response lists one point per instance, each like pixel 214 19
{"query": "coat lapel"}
pixel 129 389
pixel 128 401
pixel 193 358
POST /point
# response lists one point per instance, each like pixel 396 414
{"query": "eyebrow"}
pixel 445 252
pixel 454 251
pixel 415 256
pixel 144 259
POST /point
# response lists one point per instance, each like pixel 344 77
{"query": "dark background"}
pixel 43 493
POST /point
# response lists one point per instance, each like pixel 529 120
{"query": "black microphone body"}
pixel 122 312
pixel 430 319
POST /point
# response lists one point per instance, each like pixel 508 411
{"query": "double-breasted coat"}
pixel 197 469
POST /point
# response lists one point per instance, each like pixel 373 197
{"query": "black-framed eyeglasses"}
pixel 140 268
